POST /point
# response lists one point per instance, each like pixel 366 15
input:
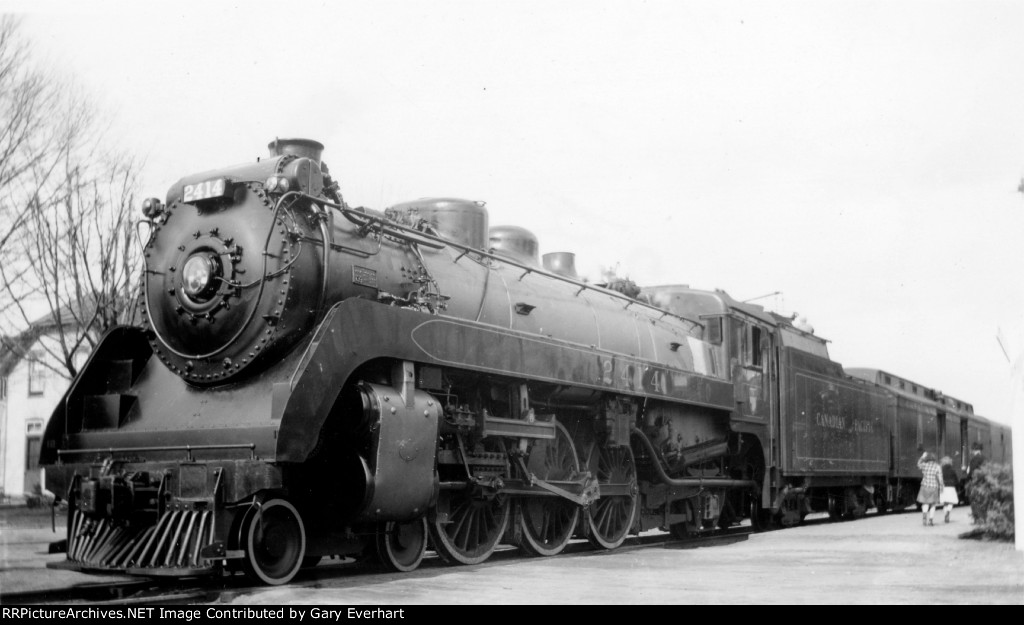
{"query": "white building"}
pixel 32 382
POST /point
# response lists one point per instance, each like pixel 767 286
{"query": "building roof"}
pixel 13 349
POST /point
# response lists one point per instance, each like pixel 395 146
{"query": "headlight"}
pixel 277 184
pixel 198 277
pixel 152 208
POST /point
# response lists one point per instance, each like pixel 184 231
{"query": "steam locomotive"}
pixel 313 379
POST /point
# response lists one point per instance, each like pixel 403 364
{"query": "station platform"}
pixel 888 559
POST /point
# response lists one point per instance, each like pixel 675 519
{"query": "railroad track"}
pixel 159 591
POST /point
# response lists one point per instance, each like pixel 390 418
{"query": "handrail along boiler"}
pixel 314 379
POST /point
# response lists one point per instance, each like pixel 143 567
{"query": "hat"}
pixel 976 445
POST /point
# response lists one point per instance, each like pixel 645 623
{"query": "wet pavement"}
pixel 889 559
pixel 25 536
pixel 877 560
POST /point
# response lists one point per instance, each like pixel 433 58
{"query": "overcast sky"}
pixel 861 158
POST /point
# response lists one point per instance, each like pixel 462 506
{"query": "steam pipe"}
pixel 325 234
pixel 705 482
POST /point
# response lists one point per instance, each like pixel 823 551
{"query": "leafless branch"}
pixel 68 258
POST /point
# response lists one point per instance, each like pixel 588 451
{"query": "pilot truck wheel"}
pixel 274 540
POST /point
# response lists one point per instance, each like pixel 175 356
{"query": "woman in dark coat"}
pixel 950 478
pixel 931 487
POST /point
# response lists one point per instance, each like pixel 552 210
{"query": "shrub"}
pixel 991 494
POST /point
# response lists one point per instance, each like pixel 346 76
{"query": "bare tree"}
pixel 23 95
pixel 68 256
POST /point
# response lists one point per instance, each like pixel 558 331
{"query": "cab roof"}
pixel 695 303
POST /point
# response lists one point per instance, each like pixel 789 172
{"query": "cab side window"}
pixel 755 346
pixel 752 336
pixel 713 330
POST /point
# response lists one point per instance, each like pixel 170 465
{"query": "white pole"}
pixel 3 443
pixel 1017 423
pixel 1017 439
